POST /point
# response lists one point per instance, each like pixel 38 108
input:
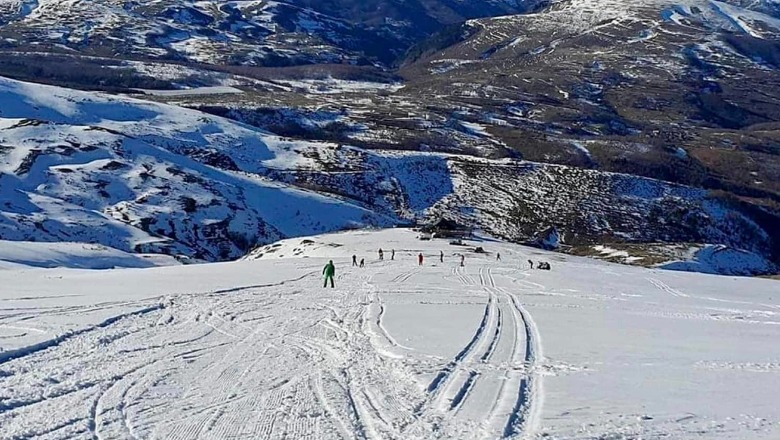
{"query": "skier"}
pixel 354 260
pixel 441 256
pixel 531 263
pixel 392 254
pixel 381 254
pixel 462 260
pixel 420 259
pixel 498 256
pixel 362 262
pixel 329 271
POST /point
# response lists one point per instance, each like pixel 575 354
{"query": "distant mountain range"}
pixel 641 125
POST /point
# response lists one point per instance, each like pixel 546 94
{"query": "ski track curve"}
pixel 251 362
pixel 490 388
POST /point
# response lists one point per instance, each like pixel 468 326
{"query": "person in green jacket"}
pixel 329 271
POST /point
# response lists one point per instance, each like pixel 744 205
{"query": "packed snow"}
pixel 492 349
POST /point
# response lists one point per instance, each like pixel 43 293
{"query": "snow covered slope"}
pixel 138 177
pixel 21 254
pixel 258 349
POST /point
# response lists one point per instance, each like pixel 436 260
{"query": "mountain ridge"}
pixel 575 103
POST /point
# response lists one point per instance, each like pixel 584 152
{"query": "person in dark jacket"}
pixel 381 254
pixel 441 256
pixel 354 260
pixel 329 271
pixel 420 259
pixel 392 254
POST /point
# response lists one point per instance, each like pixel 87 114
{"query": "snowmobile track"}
pixel 527 411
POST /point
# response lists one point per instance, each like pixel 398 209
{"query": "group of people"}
pixel 542 265
pixel 382 254
pixel 329 271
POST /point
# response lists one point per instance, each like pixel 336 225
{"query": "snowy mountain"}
pixel 257 349
pixel 146 177
pixel 237 32
pixel 639 126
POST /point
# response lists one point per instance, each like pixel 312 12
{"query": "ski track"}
pixel 496 363
pixel 237 363
pixel 666 288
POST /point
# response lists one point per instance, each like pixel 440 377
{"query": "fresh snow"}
pixel 338 86
pixel 258 349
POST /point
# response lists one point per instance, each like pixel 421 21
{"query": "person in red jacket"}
pixel 420 259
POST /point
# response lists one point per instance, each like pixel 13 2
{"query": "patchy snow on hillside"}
pixel 720 259
pixel 145 177
pixel 212 90
pixel 492 349
pixel 337 86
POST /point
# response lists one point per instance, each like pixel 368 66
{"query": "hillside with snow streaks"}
pixel 238 32
pixel 144 177
pixel 147 177
pixel 490 350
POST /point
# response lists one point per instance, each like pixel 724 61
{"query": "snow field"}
pixel 259 349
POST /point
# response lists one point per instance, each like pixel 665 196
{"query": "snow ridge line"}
pixel 458 382
pixel 10 355
pixel 494 319
pixel 405 276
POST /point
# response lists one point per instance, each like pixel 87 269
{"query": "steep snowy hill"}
pixel 491 350
pixel 143 177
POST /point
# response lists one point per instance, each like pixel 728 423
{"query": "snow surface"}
pixel 718 259
pixel 75 255
pixel 258 349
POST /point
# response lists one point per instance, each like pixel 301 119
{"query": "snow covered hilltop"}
pixel 492 350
